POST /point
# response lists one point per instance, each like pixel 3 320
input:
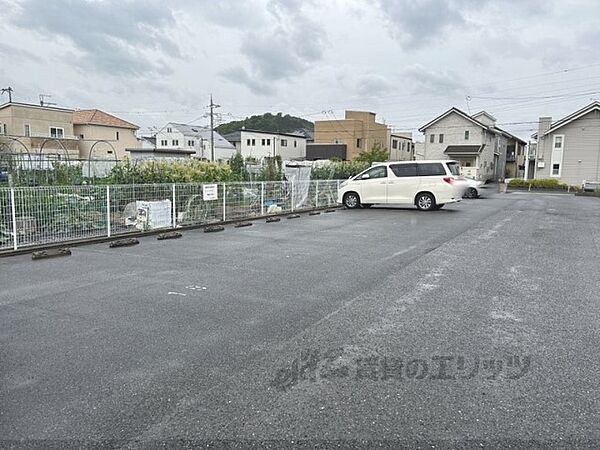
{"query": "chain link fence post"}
pixel 262 198
pixel 13 213
pixel 108 211
pixel 316 193
pixel 293 196
pixel 173 209
pixel 224 202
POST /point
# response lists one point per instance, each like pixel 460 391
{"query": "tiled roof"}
pixel 97 117
pixel 200 132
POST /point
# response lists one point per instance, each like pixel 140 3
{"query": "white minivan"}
pixel 428 185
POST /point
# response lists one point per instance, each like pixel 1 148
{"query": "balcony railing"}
pixel 67 137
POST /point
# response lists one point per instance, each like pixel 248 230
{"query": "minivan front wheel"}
pixel 351 200
pixel 425 202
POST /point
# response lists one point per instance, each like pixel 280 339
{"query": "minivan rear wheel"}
pixel 425 202
pixel 351 200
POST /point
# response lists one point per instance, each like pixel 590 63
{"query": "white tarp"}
pixel 152 215
pixel 299 174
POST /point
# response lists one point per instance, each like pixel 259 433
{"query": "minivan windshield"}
pixel 454 167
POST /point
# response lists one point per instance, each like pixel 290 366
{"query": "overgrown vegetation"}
pixel 376 154
pixel 338 170
pixel 543 183
pixel 267 122
pixel 183 171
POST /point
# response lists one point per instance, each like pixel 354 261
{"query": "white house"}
pixel 401 147
pixel 569 149
pixel 261 144
pixel 474 141
pixel 178 136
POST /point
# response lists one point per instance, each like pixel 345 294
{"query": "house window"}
pixel 466 135
pixel 432 138
pixel 263 142
pixel 558 141
pixel 169 130
pixel 117 135
pixel 57 132
pixel 359 143
pixel 556 169
pixel 164 142
pixel 557 155
pixel 284 142
pixel 268 141
pixel 253 141
pixel 395 144
pixel 248 142
pixel 27 130
pixel 175 142
pixel 191 143
pixel 441 138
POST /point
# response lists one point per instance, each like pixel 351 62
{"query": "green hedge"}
pixel 542 183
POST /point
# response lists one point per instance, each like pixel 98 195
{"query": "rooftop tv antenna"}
pixel 43 101
pixel 9 90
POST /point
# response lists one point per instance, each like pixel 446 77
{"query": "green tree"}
pixel 377 153
pixel 238 167
pixel 267 122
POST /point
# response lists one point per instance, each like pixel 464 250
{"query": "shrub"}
pixel 377 153
pixel 542 183
pixel 184 171
pixel 338 170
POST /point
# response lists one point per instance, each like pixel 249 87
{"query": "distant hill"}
pixel 267 122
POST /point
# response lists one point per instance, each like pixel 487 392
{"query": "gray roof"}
pixel 470 149
pixel 236 136
pixel 203 133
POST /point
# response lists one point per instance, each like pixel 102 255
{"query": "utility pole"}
pixel 212 128
pixel 9 90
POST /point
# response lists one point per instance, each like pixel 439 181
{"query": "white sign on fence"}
pixel 210 192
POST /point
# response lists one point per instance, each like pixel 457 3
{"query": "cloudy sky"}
pixel 152 61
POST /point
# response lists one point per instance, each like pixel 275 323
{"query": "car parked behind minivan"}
pixel 428 185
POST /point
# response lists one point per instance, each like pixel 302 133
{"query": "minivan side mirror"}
pixel 365 176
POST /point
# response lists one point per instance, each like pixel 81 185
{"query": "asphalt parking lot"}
pixel 475 324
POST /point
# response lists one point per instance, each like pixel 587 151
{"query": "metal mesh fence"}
pixel 32 216
pixel 56 214
pixel 6 220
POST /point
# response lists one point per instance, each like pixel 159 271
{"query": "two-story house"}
pixel 258 144
pixel 474 141
pixel 516 155
pixel 569 149
pixel 102 135
pixel 37 129
pixel 179 136
pixel 401 147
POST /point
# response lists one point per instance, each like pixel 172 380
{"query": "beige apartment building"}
pixel 64 133
pixel 104 135
pixel 358 131
pixel 29 128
